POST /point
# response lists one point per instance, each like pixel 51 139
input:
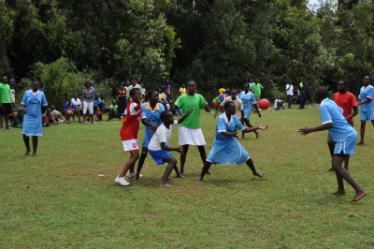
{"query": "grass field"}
pixel 58 200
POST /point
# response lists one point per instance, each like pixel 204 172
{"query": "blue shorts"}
pixel 147 139
pixel 366 116
pixel 345 147
pixel 159 156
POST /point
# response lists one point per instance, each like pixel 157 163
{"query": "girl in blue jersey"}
pixel 249 101
pixel 226 147
pixel 151 112
pixel 343 135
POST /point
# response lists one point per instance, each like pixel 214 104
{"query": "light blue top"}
pixel 365 94
pixel 152 116
pixel 248 99
pixel 32 121
pixel 331 113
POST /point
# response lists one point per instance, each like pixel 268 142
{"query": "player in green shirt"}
pixel 190 132
pixel 5 102
pixel 256 88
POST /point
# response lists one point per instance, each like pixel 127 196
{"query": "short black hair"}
pixel 151 92
pixel 321 92
pixel 133 91
pixel 227 104
pixel 164 114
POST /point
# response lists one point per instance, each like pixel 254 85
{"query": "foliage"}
pixel 60 80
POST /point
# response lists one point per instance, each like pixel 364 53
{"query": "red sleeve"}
pixel 334 97
pixel 353 100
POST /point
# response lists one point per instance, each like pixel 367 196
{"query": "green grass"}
pixel 57 199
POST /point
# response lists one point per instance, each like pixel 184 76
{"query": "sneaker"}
pixel 133 175
pixel 121 181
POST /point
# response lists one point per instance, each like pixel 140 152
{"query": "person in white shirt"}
pixel 78 107
pixel 289 92
pixel 133 84
pixel 159 148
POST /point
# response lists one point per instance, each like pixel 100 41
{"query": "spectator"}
pixel 256 88
pixel 5 102
pixel 88 96
pixel 69 110
pixel 122 101
pixel 289 93
pixel 78 108
pixel 278 104
pixel 133 84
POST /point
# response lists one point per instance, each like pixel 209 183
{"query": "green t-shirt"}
pixel 186 102
pixel 256 89
pixel 5 93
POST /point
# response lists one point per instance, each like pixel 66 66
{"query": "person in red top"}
pixel 129 134
pixel 347 101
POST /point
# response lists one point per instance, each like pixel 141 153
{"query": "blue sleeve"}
pixel 325 115
pixel 371 93
pixel 162 108
pixel 253 99
pixel 44 100
pixel 238 125
pixel 24 99
pixel 221 126
pixel 144 110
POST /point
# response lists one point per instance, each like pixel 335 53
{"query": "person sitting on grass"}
pixel 344 136
pixel 69 110
pixel 226 147
pixel 56 115
pixel 129 134
pixel 159 149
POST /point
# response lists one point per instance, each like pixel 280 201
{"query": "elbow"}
pixel 328 125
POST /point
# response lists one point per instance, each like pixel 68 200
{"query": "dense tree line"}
pixel 217 42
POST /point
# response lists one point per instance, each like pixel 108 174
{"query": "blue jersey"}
pixel 152 116
pixel 248 100
pixel 32 121
pixel 365 94
pixel 227 150
pixel 331 113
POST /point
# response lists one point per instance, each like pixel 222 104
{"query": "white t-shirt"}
pixel 162 135
pixel 76 102
pixel 289 89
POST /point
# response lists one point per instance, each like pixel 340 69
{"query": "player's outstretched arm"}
pixel 206 107
pixel 185 116
pixel 255 128
pixel 167 148
pixel 146 122
pixel 306 130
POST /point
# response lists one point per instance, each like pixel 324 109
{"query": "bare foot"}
pixel 27 152
pixel 359 196
pixel 34 153
pixel 200 179
pixel 181 176
pixel 360 143
pixel 339 193
pixel 166 185
pixel 259 175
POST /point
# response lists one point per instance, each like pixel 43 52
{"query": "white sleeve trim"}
pixel 222 130
pixel 326 122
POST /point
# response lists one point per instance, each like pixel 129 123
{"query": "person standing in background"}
pixel 366 100
pixel 256 88
pixel 5 102
pixel 77 103
pixel 89 97
pixel 289 93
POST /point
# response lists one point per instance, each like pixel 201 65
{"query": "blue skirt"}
pixel 32 125
pixel 227 151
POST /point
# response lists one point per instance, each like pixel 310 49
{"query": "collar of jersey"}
pixel 149 107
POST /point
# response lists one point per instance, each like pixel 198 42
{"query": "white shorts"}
pixel 191 136
pixel 130 145
pixel 89 106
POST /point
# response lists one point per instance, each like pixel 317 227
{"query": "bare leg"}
pixel 34 145
pixel 331 149
pixel 204 170
pixel 171 164
pixel 142 158
pixel 338 161
pixel 183 158
pixel 26 141
pixel 134 155
pixel 346 162
pixel 6 121
pixel 362 132
pixel 251 165
pixel 248 123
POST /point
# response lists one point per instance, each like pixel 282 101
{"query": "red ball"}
pixel 263 104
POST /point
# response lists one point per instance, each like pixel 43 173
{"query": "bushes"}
pixel 60 80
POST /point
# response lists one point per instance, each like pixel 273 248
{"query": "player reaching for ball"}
pixel 226 147
pixel 344 136
pixel 249 101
